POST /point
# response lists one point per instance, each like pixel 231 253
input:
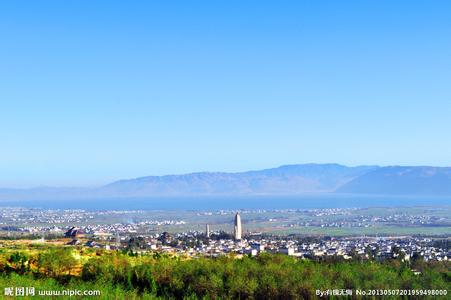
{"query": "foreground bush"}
pixel 121 276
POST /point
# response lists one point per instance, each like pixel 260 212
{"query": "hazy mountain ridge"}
pixel 399 180
pixel 284 180
pixel 289 179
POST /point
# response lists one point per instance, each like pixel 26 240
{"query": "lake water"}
pixel 232 203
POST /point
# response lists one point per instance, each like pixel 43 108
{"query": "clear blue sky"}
pixel 94 91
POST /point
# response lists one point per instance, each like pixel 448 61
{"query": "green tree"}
pixel 57 261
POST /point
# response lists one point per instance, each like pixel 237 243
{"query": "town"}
pixel 143 235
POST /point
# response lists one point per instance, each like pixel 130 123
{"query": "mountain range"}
pixel 284 180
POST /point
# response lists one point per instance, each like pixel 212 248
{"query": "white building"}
pixel 237 227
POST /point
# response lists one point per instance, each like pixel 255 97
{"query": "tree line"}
pixel 266 276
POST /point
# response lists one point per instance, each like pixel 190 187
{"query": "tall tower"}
pixel 118 239
pixel 207 231
pixel 237 232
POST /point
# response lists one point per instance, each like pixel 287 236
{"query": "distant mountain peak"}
pixel 294 179
pixel 399 180
pixel 286 179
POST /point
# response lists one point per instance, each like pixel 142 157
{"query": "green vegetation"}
pixel 152 276
pixel 370 231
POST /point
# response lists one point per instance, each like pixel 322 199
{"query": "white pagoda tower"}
pixel 238 229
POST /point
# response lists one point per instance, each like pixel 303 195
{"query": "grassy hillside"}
pixel 152 276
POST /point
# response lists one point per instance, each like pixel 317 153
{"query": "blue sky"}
pixel 94 91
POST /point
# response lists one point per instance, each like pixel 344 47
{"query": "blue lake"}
pixel 231 203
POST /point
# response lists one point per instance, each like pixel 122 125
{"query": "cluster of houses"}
pixel 212 245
